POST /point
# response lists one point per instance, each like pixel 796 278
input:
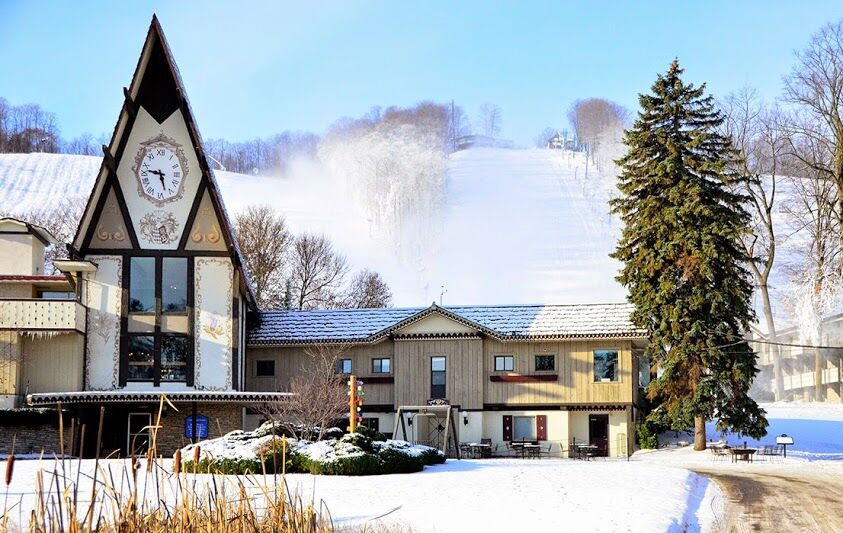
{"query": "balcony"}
pixel 42 315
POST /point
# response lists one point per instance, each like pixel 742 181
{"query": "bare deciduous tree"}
pixel 83 145
pixel 592 117
pixel 814 276
pixel 367 290
pixel 757 137
pixel 319 395
pixel 815 87
pixel 265 242
pixel 544 137
pixel 317 272
pixel 489 118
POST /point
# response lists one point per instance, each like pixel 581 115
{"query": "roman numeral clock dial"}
pixel 160 169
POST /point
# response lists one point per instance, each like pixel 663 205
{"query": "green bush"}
pixel 224 466
pixel 398 462
pixel 358 439
pixel 373 435
pixel 433 457
pixel 355 465
pixel 648 434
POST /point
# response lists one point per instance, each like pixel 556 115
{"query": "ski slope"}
pixel 514 226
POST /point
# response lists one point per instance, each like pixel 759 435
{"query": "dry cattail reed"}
pixel 177 463
pixel 195 458
pixel 10 468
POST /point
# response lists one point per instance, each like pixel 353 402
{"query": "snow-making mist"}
pixel 500 226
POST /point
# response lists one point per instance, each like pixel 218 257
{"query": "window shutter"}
pixel 541 427
pixel 507 428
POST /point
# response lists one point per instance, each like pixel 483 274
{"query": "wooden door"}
pixel 598 434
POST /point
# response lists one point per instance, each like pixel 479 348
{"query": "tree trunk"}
pixel 775 349
pixel 699 433
pixel 819 363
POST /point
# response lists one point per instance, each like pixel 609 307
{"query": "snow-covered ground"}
pixel 816 428
pixel 483 495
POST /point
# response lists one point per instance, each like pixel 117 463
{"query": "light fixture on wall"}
pixel 464 415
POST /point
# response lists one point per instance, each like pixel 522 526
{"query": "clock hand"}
pixel 160 175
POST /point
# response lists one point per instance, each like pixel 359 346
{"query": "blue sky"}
pixel 252 69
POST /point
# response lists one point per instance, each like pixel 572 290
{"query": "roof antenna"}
pixel 442 294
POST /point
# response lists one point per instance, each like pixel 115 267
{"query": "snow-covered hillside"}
pixel 515 226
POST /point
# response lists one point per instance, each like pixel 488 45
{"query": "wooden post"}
pixel 352 403
pixel 193 438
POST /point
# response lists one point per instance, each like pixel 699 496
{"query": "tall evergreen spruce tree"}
pixel 684 265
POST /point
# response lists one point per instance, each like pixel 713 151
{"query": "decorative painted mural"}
pixel 103 300
pixel 213 323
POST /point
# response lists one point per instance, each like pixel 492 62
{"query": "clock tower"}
pixel 160 276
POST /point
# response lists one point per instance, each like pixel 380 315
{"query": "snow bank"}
pixel 467 495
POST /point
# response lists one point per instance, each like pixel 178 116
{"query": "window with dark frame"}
pixel 524 428
pixel 605 365
pixel 158 336
pixel 265 368
pixel 381 365
pixel 343 366
pixel 504 363
pixel 545 362
pixel 372 423
pixel 437 377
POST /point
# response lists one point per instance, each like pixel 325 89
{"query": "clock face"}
pixel 160 169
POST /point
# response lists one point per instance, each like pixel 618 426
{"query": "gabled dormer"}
pixel 23 247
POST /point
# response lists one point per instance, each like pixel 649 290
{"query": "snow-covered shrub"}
pixel 353 454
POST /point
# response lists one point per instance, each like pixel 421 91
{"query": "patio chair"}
pixel 486 453
pixel 546 452
pixel 718 453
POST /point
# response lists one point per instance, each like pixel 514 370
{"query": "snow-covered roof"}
pixel 504 322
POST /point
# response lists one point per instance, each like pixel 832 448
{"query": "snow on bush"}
pixel 262 450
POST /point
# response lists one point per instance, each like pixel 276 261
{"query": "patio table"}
pixel 585 451
pixel 480 450
pixel 742 454
pixel 530 449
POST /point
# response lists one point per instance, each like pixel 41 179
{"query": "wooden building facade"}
pixel 550 373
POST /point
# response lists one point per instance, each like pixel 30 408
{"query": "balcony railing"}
pixel 42 315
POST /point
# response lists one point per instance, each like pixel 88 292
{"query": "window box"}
pixel 538 378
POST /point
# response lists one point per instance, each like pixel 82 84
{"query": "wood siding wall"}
pixel 463 365
pixel 10 350
pixel 53 363
pixel 574 370
pixel 469 367
pixel 292 361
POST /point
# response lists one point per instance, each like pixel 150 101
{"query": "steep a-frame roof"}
pixel 145 82
pixel 502 322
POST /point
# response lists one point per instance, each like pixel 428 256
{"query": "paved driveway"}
pixel 786 499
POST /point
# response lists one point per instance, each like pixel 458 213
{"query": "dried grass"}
pixel 148 497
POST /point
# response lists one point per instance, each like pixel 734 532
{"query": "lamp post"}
pixel 355 403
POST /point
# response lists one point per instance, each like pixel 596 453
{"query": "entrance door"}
pixel 598 434
pixel 137 442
